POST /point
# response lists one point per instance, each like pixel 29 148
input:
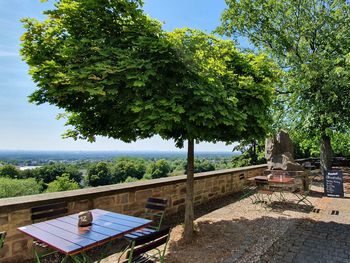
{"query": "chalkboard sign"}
pixel 333 184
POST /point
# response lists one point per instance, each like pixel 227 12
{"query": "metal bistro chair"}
pixel 303 195
pixel 141 248
pixel 155 209
pixel 45 212
pixel 263 194
pixel 2 239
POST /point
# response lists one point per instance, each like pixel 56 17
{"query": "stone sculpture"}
pixel 279 153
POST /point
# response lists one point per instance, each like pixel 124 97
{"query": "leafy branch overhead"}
pixel 119 75
pixel 311 41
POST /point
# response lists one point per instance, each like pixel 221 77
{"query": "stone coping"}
pixel 26 202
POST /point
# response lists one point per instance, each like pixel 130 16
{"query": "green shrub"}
pixel 49 173
pixel 17 187
pixel 99 174
pixel 131 179
pixel 62 183
pixel 158 169
pixel 9 170
pixel 128 167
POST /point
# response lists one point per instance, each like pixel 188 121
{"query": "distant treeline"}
pixel 57 176
pixel 29 158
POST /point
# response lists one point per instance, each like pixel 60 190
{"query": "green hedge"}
pixel 17 187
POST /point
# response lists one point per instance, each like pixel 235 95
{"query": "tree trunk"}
pixel 326 154
pixel 255 156
pixel 189 213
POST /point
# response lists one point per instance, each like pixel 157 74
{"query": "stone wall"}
pixel 126 198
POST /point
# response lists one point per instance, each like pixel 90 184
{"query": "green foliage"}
pixel 158 169
pixel 311 40
pixel 102 61
pixel 9 171
pixel 18 187
pixel 128 167
pixel 308 146
pixel 202 165
pixel 253 152
pixel 130 179
pixel 48 173
pixel 99 174
pixel 118 75
pixel 62 183
pixel 241 160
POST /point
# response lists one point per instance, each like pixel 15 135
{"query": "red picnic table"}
pixel 63 234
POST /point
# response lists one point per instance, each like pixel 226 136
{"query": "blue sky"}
pixel 24 126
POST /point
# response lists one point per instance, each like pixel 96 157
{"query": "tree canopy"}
pixel 117 74
pixel 99 174
pixel 62 183
pixel 311 41
pixel 158 169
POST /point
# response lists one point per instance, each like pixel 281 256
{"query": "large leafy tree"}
pixel 117 74
pixel 128 167
pixel 99 174
pixel 158 169
pixel 311 40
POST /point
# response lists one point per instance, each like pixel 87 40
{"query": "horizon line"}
pixel 180 151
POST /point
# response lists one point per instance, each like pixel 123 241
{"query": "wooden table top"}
pixel 64 235
pixel 260 178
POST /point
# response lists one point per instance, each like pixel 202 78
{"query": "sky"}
pixel 25 126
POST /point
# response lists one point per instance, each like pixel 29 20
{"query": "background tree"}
pixel 48 173
pixel 252 153
pixel 158 169
pixel 62 183
pixel 9 171
pixel 99 174
pixel 311 40
pixel 202 165
pixel 118 75
pixel 128 167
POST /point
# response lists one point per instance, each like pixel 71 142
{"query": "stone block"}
pixel 19 246
pixel 131 197
pixel 142 195
pixel 15 235
pixel 82 205
pixel 182 190
pixel 208 183
pixel 216 189
pixel 171 211
pixel 178 201
pixel 170 190
pixel 14 224
pixel 223 189
pixel 4 219
pixel 19 216
pixel 124 198
pixel 104 202
pixel 181 207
